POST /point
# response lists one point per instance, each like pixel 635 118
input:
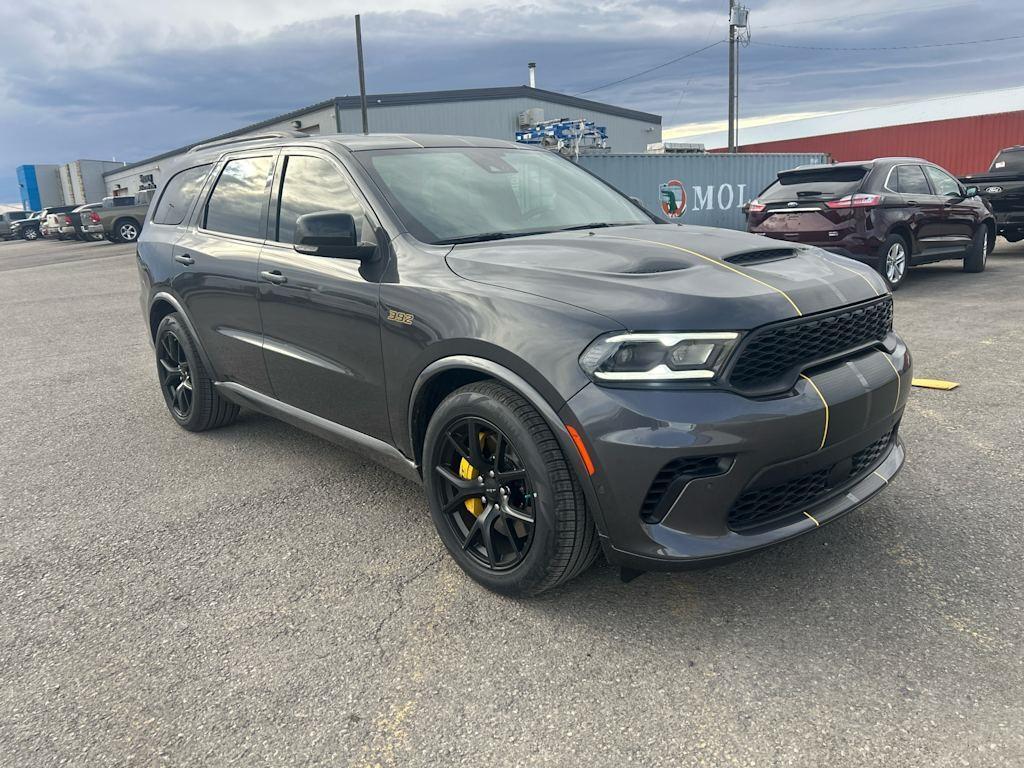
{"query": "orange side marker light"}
pixel 581 448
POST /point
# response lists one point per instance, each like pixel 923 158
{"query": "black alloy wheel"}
pixel 175 377
pixel 188 389
pixel 503 497
pixel 485 493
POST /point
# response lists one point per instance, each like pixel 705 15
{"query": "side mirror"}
pixel 331 234
pixel 971 192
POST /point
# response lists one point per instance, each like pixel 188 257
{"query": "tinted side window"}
pixel 236 204
pixel 945 185
pixel 910 180
pixel 313 184
pixel 179 194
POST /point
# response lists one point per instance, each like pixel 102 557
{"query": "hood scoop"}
pixel 762 256
pixel 653 267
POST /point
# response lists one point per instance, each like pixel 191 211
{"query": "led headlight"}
pixel 640 357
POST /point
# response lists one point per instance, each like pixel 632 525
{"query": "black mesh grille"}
pixel 766 506
pixel 773 356
pixel 678 472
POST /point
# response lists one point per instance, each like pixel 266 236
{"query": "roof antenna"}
pixel 362 75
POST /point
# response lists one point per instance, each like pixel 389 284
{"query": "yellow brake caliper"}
pixel 467 472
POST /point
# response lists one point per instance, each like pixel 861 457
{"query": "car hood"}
pixel 659 277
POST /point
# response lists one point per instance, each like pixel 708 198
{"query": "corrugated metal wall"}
pixel 713 187
pixel 495 119
pixel 963 145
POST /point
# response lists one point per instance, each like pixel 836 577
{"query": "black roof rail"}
pixel 250 137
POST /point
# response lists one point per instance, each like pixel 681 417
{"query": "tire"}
pixel 31 234
pixel 890 265
pixel 977 256
pixel 126 231
pixel 206 408
pixel 562 542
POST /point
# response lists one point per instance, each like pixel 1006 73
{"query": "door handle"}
pixel 912 202
pixel 274 277
pixel 184 258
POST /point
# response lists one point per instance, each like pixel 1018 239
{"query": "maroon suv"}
pixel 892 213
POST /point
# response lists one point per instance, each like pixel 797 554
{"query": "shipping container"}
pixel 705 189
pixel 961 145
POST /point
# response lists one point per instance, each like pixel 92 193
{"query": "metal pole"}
pixel 732 79
pixel 362 75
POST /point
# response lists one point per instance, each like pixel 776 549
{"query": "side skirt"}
pixel 381 452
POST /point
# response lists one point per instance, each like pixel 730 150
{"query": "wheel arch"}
pixel 444 376
pixel 903 230
pixel 163 304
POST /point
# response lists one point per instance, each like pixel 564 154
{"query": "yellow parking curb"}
pixel 934 384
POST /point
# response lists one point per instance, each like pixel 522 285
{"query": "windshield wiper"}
pixel 594 225
pixel 485 236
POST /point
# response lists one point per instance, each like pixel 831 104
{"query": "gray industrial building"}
pixel 74 183
pixel 490 112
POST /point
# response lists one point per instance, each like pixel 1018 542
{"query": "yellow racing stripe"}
pixel 824 402
pixel 717 263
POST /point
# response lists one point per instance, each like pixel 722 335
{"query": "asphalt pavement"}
pixel 256 596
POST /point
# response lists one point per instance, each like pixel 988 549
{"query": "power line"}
pixel 652 69
pixel 888 47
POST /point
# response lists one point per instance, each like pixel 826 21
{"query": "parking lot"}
pixel 255 595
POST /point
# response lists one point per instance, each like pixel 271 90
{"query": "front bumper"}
pixel 635 436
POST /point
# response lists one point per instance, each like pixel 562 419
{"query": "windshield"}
pixel 462 194
pixel 814 184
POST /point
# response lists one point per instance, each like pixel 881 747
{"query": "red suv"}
pixel 892 213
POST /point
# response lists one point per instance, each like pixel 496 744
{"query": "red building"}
pixel 961 133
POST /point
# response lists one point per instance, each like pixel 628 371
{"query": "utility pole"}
pixel 732 77
pixel 362 75
pixel 737 22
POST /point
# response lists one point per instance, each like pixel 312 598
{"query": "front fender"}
pixel 513 381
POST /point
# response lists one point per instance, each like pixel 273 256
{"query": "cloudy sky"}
pixel 127 79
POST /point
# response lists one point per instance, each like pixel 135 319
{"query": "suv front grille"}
pixel 769 506
pixel 669 482
pixel 772 356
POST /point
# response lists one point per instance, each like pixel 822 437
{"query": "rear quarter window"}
pixel 179 194
pixel 811 184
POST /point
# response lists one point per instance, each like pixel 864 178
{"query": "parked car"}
pixel 7 220
pixel 561 371
pixel 20 227
pixel 73 226
pixel 31 228
pixel 1003 188
pixel 891 213
pixel 56 223
pixel 117 219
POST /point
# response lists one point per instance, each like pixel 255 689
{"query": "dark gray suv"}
pixel 563 373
